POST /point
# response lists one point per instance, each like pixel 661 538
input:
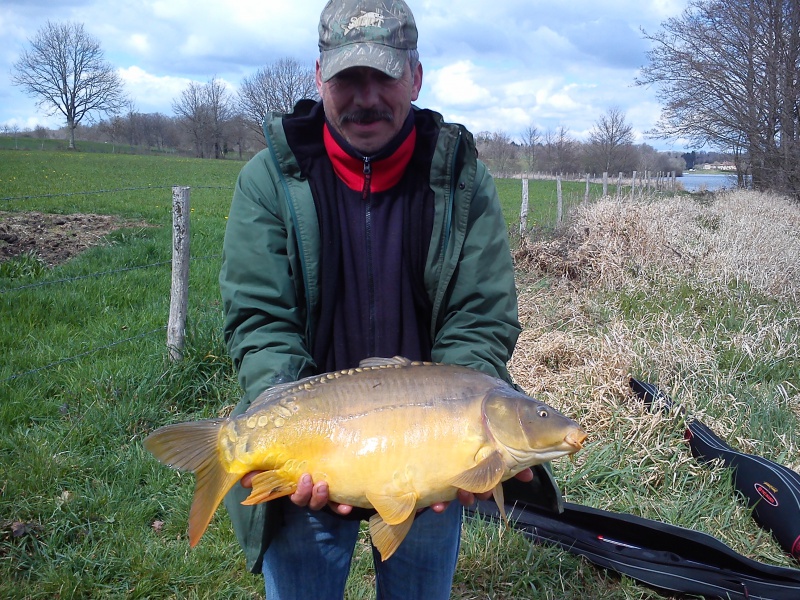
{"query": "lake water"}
pixel 693 182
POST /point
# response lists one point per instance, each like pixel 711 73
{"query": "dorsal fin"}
pixel 377 361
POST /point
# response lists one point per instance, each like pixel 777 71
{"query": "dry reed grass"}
pixel 740 237
pixel 580 344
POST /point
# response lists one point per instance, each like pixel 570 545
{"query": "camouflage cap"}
pixel 366 33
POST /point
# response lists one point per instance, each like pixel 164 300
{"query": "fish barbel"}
pixel 392 435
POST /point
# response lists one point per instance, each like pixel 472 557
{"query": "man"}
pixel 367 228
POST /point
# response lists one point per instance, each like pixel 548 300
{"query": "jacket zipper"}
pixel 366 195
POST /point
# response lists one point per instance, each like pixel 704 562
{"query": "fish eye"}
pixel 543 412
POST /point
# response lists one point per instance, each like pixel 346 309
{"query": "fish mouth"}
pixel 576 438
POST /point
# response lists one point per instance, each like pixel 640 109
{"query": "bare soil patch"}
pixel 54 238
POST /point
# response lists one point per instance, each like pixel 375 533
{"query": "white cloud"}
pixel 149 92
pixel 499 67
pixel 454 85
pixel 139 43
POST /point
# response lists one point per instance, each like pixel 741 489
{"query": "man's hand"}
pixel 314 496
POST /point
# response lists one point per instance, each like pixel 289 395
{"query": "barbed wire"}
pixel 127 189
pixel 82 354
pixel 99 274
pixel 94 275
pixel 79 277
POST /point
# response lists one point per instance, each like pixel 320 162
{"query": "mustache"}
pixel 365 116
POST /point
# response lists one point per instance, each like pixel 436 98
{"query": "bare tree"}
pixel 560 151
pixel 530 139
pixel 221 111
pixel 726 72
pixel 65 69
pixel 498 151
pixel 206 110
pixel 611 143
pixel 275 88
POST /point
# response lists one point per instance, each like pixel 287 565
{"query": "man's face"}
pixel 366 106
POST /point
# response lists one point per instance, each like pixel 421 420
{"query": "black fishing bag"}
pixel 662 556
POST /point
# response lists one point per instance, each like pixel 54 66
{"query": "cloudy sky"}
pixel 495 66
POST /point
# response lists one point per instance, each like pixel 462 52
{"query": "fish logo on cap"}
pixel 366 19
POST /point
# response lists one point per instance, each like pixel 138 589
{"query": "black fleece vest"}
pixel 374 244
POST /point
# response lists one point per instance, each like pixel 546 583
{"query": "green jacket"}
pixel 269 279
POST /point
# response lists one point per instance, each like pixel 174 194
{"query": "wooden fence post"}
pixel 560 205
pixel 523 213
pixel 586 195
pixel 605 184
pixel 179 294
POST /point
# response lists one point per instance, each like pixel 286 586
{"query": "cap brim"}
pixel 391 61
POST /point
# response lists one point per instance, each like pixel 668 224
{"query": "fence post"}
pixel 560 205
pixel 605 184
pixel 179 294
pixel 523 213
pixel 586 195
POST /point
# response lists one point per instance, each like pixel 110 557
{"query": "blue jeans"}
pixel 309 558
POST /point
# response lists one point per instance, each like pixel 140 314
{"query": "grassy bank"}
pixel 700 298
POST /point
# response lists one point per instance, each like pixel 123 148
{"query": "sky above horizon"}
pixel 523 63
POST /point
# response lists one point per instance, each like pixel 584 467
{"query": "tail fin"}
pixel 194 447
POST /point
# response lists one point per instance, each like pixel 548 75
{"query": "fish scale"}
pixel 391 435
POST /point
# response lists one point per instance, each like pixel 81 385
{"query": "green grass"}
pixel 542 204
pixel 86 512
pixel 28 143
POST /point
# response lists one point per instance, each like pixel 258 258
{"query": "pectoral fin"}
pixel 393 509
pixel 387 538
pixel 484 476
pixel 270 485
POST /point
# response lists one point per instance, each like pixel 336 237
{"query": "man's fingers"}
pixel 340 509
pixel 247 480
pixel 525 475
pixel 319 496
pixel 465 498
pixel 302 495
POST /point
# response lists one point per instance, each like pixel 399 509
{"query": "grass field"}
pixel 700 297
pixel 28 143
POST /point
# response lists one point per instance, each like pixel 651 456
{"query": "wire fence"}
pixel 22 289
pixel 83 193
pixel 80 277
pixel 108 191
pixel 67 359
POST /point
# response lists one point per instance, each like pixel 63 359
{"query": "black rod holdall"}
pixel 662 556
pixel 772 491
